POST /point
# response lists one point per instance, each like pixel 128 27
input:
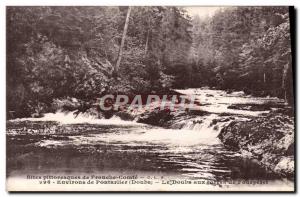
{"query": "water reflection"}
pixel 182 152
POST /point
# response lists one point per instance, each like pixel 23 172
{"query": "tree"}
pixel 246 48
pixel 123 40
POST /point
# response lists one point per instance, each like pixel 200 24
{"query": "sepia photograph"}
pixel 150 99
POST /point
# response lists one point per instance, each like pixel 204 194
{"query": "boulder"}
pixel 268 139
pixel 157 117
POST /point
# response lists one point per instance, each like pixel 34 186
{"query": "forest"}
pixel 87 52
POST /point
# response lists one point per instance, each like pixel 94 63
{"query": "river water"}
pixel 61 143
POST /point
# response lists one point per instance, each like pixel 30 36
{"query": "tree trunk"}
pixel 122 41
pixel 284 79
pixel 147 38
pixel 284 75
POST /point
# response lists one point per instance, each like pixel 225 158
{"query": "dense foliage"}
pixel 245 48
pixel 58 52
pixel 55 52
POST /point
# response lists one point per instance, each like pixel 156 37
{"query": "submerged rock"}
pixel 268 139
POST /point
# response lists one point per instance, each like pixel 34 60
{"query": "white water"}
pixel 213 101
pixel 199 130
pixel 218 101
pixel 193 148
pixel 71 118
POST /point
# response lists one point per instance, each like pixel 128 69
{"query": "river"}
pixel 62 144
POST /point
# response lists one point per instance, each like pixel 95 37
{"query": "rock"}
pixel 67 104
pixel 196 112
pixel 156 117
pixel 285 166
pixel 239 93
pixel 124 115
pixel 268 139
pixel 94 112
pixel 256 107
pixel 224 119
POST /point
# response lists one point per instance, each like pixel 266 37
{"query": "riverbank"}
pixel 268 141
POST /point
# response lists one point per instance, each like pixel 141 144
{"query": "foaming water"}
pixel 218 101
pixel 195 132
pixel 189 148
pixel 81 118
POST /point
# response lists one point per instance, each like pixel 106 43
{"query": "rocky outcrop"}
pixel 269 139
pixel 157 117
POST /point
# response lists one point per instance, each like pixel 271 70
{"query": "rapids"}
pixel 64 143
